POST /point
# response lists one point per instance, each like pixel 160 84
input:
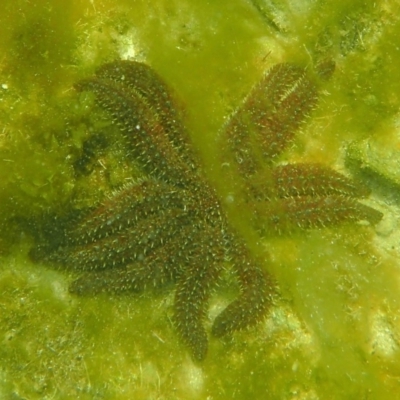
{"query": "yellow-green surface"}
pixel 334 331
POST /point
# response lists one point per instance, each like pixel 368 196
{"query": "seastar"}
pixel 171 225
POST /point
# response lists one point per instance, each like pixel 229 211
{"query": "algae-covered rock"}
pixel 377 159
pixel 333 331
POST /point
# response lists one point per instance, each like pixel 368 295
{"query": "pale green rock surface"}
pixel 378 158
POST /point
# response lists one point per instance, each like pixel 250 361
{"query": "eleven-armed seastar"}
pixel 171 226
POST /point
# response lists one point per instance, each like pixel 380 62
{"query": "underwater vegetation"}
pixel 171 226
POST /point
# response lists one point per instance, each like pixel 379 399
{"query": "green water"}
pixel 332 334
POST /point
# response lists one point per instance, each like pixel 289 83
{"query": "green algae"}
pixel 332 334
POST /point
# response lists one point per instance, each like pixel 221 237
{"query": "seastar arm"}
pixel 314 180
pixel 139 77
pixel 270 117
pixel 125 209
pixel 303 179
pixel 256 289
pixel 305 212
pixel 143 127
pixel 193 291
pixel 163 264
pixel 125 247
pixel 134 278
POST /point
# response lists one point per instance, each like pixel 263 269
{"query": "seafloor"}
pixel 334 330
